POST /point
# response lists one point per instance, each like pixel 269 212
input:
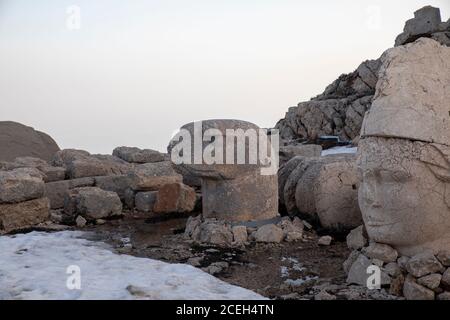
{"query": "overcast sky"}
pixel 132 72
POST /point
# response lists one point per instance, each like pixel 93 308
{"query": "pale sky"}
pixel 137 70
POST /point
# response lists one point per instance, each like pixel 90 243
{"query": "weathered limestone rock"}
pixel 118 184
pixel 293 230
pixel 336 195
pixel 444 258
pixel 92 203
pixel 411 101
pixel 393 269
pixel 414 291
pixel 381 252
pixel 20 185
pixel 240 235
pixel 136 155
pixel 347 264
pixel 405 152
pixel 152 176
pixel 339 111
pixel 423 264
pixel 192 224
pixel 283 175
pixel 269 233
pixel 431 281
pixel 324 241
pixel 81 164
pixel 175 197
pixel 215 233
pixel 250 197
pixel 446 279
pixel 356 239
pixel 145 201
pixel 49 173
pixel 358 272
pixel 17 140
pixel 23 215
pixel 444 296
pixel 234 187
pixel 56 191
pixel 324 188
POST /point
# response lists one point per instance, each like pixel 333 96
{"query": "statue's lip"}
pixel 380 223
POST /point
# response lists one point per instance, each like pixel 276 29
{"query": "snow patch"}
pixel 34 266
pixel 339 150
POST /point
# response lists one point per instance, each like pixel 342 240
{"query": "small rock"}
pixel 444 296
pixel 397 284
pixel 422 264
pixel 350 260
pixel 216 267
pixel 356 239
pixel 195 261
pixel 415 291
pixel 431 281
pixel 323 295
pixel 269 233
pixel 100 222
pixel 393 269
pixel 446 279
pixel 239 235
pixel 381 252
pixel 81 222
pixel 307 225
pixel 377 262
pixel 444 258
pixel 324 241
pixel 402 262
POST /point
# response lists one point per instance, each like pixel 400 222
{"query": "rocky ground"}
pixel 292 271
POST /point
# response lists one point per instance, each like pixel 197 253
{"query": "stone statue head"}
pixel 405 193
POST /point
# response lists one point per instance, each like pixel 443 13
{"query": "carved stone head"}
pixel 405 193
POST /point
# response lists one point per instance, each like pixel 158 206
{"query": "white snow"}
pixel 34 265
pixel 339 150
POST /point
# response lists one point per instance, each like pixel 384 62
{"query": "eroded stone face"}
pixel 405 193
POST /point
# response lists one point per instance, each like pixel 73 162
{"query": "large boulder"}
pixel 49 173
pixel 20 185
pixel 56 191
pixel 152 176
pixel 136 155
pixel 145 201
pixel 81 164
pixel 92 203
pixel 17 140
pixel 23 215
pixel 175 197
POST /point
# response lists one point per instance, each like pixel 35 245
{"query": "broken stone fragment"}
pixel 152 176
pixel 356 239
pixel 431 281
pixel 446 279
pixel 57 190
pixel 444 258
pixel 269 233
pixel 414 291
pixel 80 222
pixel 175 197
pixel 214 232
pixel 324 241
pixel 145 201
pixel 423 264
pixel 136 155
pixel 381 252
pixel 92 203
pixel 358 273
pixel 240 235
pixel 23 215
pixel 20 185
